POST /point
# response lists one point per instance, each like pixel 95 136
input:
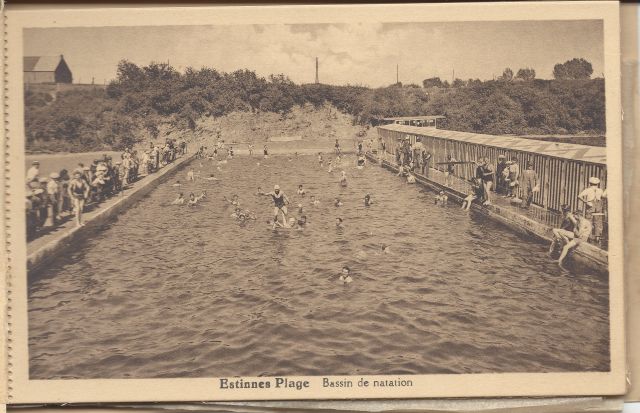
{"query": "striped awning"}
pixel 593 154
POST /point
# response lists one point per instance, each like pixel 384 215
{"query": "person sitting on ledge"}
pixel 581 233
pixel 566 231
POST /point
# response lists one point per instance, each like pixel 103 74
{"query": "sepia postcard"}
pixel 241 203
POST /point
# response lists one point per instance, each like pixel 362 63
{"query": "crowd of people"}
pixel 507 179
pixel 53 198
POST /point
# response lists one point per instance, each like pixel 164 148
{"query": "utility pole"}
pixel 317 78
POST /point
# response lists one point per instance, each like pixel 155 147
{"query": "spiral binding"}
pixel 7 226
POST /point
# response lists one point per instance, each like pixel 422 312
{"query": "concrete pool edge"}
pixel 53 248
pixel 585 254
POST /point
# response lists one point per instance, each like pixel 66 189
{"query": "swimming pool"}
pixel 173 291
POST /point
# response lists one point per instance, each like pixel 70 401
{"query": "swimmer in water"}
pixel 367 200
pixel 337 202
pixel 314 201
pixel 179 200
pixel 203 195
pixel 235 200
pixel 190 175
pixel 330 166
pixel 345 277
pixel 442 199
pixel 266 152
pixel 300 209
pixel 280 202
pixel 410 178
pixel 177 184
pixel 192 200
pixel 320 159
pixel 343 179
pixel 301 191
pixel 339 224
pixel 360 162
pixel 211 177
pixel 301 223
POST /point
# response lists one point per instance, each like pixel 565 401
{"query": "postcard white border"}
pixel 458 385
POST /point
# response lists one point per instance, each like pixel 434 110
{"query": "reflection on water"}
pixel 173 291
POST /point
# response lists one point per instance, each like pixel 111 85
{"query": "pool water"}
pixel 174 291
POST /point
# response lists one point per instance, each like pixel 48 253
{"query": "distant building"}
pixel 46 69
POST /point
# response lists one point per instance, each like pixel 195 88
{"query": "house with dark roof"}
pixel 46 69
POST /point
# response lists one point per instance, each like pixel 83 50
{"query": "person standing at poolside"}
pixel 79 192
pixel 487 180
pixel 500 181
pixel 592 197
pixel 530 185
pixel 280 202
pixel 450 171
pixel 33 171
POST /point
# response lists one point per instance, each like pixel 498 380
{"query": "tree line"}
pixel 141 98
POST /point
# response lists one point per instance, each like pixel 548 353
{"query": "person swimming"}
pixel 385 249
pixel 177 184
pixel 442 199
pixel 302 222
pixel 345 276
pixel 320 159
pixel 190 175
pixel 192 200
pixel 337 202
pixel 339 223
pixel 367 200
pixel 330 166
pixel 211 177
pixel 179 200
pixel 301 190
pixel 300 209
pixel 343 178
pixel 314 201
pixel 360 162
pixel 235 200
pixel 203 195
pixel 410 178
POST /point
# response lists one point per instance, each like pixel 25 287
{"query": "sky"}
pixel 357 54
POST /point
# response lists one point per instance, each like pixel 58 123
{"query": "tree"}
pixel 458 83
pixel 432 82
pixel 573 69
pixel 526 74
pixel 507 75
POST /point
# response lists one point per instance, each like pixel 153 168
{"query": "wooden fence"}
pixel 562 177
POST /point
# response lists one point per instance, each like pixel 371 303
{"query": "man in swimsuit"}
pixel 79 192
pixel 280 202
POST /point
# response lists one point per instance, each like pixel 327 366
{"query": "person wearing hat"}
pixel 280 202
pixel 79 192
pixel 34 171
pixel 565 232
pixel 592 197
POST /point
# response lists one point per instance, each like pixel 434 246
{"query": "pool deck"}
pixel 535 222
pixel 49 245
